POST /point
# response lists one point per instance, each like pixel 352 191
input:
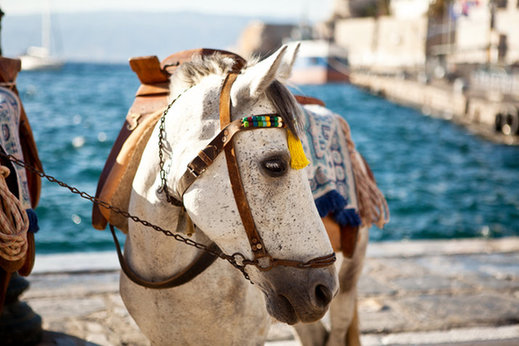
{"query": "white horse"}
pixel 220 307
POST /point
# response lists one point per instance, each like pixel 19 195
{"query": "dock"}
pixel 472 110
pixel 446 292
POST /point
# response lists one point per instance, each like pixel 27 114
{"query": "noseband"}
pixel 224 142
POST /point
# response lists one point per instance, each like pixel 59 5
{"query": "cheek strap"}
pixel 256 243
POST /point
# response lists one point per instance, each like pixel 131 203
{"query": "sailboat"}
pixel 40 58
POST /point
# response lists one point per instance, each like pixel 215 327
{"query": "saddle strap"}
pixel 189 273
pixel 257 246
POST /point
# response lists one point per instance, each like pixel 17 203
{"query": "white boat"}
pixel 40 58
pixel 320 62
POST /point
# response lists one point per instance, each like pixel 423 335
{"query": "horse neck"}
pixel 151 253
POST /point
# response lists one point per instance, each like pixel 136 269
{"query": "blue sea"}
pixel 439 180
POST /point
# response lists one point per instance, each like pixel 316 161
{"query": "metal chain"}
pixel 162 135
pixel 237 259
pixel 233 259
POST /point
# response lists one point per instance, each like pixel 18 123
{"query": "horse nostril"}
pixel 323 295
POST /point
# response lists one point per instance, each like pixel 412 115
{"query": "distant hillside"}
pixel 115 37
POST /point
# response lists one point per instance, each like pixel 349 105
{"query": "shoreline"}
pixel 474 112
pixel 106 261
pixel 438 292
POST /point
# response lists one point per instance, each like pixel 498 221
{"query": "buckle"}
pixel 193 170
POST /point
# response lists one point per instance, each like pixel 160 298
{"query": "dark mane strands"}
pixel 286 105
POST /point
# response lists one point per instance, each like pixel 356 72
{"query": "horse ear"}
pixel 288 61
pixel 255 80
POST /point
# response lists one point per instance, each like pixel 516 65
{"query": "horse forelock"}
pixel 192 72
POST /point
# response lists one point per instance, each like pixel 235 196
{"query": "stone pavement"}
pixel 457 292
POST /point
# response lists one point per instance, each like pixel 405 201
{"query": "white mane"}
pixel 193 72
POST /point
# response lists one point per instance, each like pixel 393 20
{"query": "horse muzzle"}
pixel 299 295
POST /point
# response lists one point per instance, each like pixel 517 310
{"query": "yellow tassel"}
pixel 298 157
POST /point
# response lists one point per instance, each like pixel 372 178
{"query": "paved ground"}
pixel 463 292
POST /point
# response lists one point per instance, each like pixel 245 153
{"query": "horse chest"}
pixel 218 308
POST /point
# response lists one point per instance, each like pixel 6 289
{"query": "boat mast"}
pixel 45 27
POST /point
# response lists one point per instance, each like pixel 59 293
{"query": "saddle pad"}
pixel 345 192
pixel 331 173
pixel 9 69
pixel 10 141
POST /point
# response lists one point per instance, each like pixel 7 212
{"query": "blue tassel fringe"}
pixel 333 202
pixel 348 217
pixel 330 203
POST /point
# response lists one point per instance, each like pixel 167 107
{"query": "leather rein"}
pixel 223 142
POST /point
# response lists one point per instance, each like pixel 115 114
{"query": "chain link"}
pixel 178 237
pixel 162 135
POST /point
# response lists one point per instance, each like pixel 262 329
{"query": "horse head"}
pixel 289 231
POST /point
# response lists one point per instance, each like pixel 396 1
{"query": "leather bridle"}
pixel 222 142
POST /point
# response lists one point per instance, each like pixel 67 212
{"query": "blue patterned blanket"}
pixel 331 173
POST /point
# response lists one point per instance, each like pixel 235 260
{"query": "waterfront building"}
pixel 412 33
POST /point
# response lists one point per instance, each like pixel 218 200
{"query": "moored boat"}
pixel 320 62
pixel 41 57
pixel 38 58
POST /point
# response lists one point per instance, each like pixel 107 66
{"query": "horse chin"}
pixel 280 308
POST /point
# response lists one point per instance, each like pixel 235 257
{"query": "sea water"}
pixel 439 180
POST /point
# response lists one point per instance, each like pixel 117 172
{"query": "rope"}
pixel 13 222
pixel 372 203
pixel 7 84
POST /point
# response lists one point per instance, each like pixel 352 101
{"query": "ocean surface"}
pixel 439 180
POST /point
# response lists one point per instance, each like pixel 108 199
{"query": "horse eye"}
pixel 275 166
